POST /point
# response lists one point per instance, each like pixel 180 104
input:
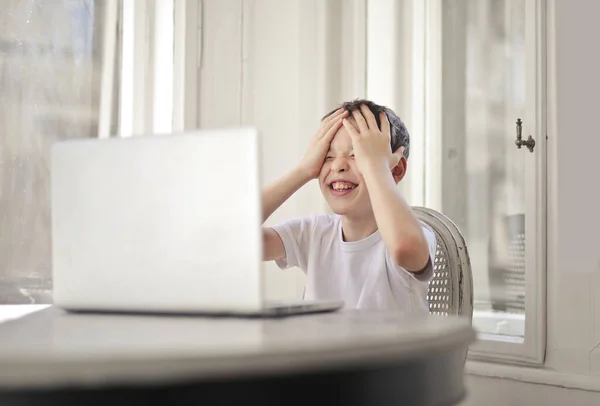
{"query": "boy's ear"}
pixel 399 170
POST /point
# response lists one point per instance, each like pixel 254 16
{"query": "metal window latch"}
pixel 529 143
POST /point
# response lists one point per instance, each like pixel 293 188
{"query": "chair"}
pixel 451 289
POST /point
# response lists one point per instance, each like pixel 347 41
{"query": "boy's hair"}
pixel 399 136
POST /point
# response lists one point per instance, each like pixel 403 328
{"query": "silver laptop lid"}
pixel 158 223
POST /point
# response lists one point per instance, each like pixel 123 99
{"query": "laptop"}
pixel 162 224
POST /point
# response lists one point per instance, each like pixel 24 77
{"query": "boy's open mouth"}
pixel 341 188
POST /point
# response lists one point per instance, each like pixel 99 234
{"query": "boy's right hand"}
pixel 313 159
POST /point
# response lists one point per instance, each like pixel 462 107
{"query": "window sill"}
pixel 11 312
pixel 538 376
pixel 500 324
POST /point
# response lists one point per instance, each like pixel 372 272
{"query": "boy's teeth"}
pixel 341 186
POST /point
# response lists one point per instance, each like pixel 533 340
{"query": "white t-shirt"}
pixel 361 273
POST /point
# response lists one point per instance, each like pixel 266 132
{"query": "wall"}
pixel 507 392
pixel 248 66
pixel 574 261
pixel 273 65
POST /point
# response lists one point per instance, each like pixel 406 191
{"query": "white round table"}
pixel 347 357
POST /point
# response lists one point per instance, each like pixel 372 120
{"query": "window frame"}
pixel 160 49
pixel 418 95
pixel 531 350
pixel 109 57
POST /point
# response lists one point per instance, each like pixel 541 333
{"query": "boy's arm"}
pixel 274 196
pixel 399 228
pixel 309 167
pixel 273 248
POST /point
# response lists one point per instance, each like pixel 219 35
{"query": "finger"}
pixel 360 121
pixel 385 124
pixel 369 117
pixel 350 128
pixel 341 112
pixel 335 127
pixel 327 125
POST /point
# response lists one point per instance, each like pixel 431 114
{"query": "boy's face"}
pixel 340 181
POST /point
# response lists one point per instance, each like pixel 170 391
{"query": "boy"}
pixel 373 253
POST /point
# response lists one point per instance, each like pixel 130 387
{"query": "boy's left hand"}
pixel 371 145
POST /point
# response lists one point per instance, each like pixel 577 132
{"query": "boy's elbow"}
pixel 412 254
pixel 273 248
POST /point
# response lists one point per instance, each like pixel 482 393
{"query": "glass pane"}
pixel 50 71
pixel 484 172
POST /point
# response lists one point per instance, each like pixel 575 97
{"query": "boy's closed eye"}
pixel 330 157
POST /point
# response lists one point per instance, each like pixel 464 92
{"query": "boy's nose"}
pixel 340 165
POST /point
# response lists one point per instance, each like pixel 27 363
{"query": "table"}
pixel 348 357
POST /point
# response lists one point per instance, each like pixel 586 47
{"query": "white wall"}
pixel 249 75
pixel 275 64
pixel 573 145
pixel 508 392
pixel 284 111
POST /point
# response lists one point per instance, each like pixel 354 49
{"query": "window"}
pixel 79 69
pixel 491 78
pixel 50 79
pixel 469 70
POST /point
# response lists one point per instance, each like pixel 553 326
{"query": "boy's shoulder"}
pixel 322 226
pixel 325 218
pixel 318 222
pixel 323 221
